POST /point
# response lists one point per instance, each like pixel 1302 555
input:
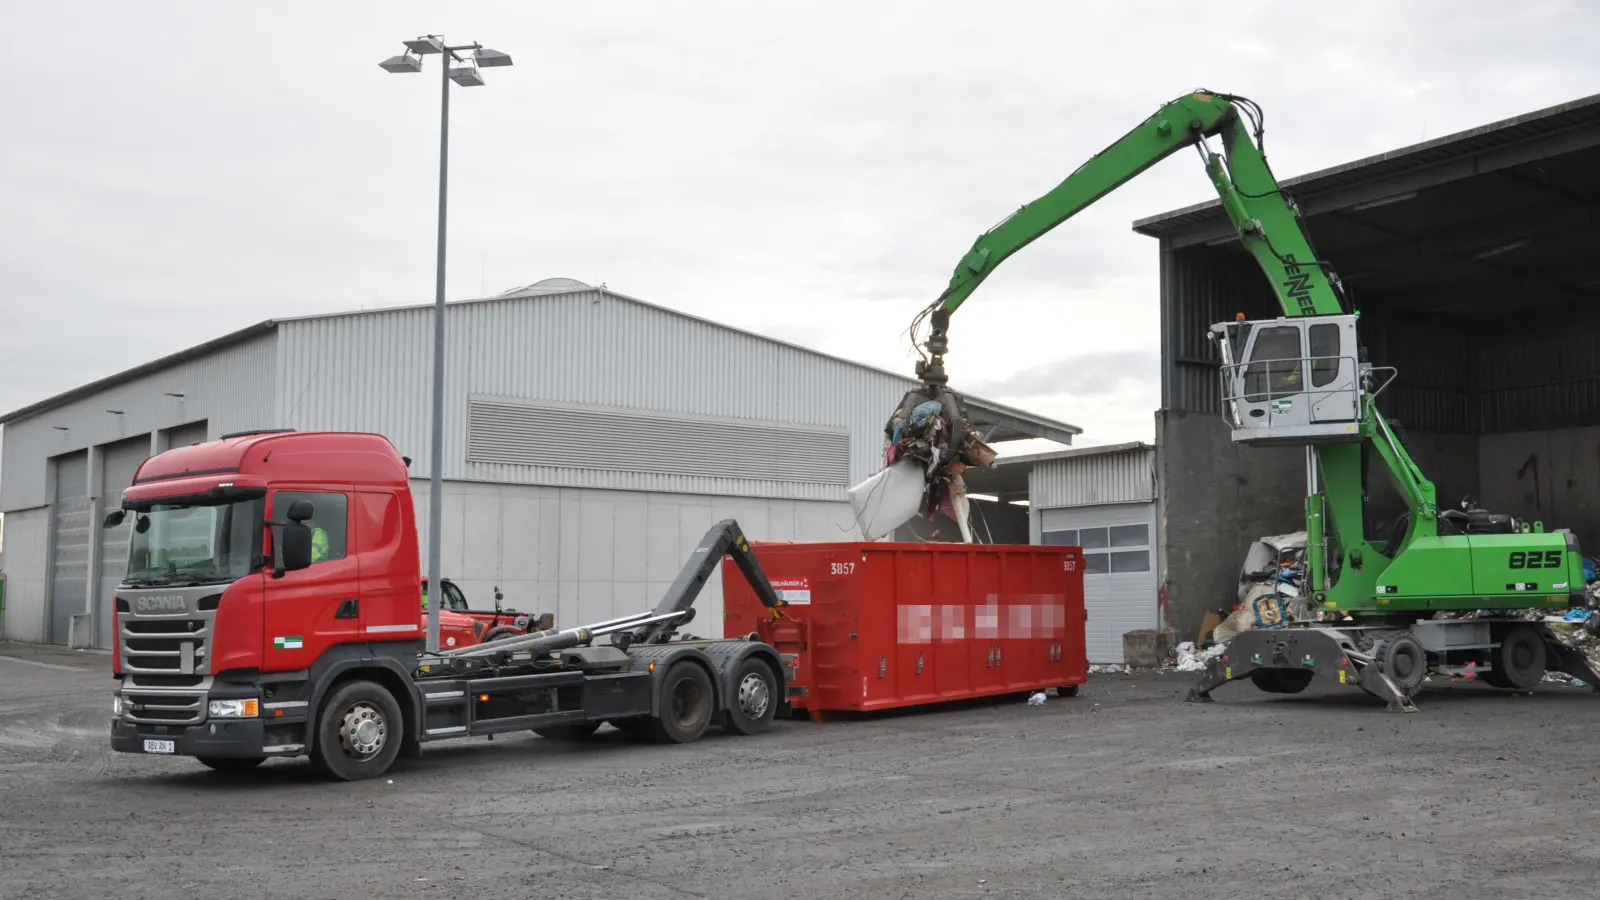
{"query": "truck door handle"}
pixel 349 609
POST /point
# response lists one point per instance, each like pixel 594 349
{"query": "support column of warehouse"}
pixel 1469 258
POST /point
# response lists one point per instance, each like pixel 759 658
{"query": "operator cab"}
pixel 1293 380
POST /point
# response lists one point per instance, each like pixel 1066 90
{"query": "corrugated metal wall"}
pixel 231 388
pixel 371 372
pixel 1128 476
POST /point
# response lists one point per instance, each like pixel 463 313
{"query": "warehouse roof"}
pixel 1575 120
pixel 1450 227
pixel 1000 422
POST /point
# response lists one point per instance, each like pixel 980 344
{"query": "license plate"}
pixel 161 746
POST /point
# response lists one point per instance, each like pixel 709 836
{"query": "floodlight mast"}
pixel 466 75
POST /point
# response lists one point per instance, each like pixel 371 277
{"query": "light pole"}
pixel 466 75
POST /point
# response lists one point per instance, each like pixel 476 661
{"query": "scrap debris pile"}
pixel 928 444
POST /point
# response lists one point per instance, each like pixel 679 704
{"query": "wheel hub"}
pixel 362 731
pixel 754 696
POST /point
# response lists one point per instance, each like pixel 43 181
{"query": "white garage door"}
pixel 1119 579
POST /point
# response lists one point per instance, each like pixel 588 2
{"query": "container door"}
pixel 1274 378
pixel 985 652
pixel 952 625
pixel 914 678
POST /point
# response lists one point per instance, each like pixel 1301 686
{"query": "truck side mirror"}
pixel 114 518
pixel 295 546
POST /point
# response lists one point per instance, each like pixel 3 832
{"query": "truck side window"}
pixel 329 522
pixel 1324 344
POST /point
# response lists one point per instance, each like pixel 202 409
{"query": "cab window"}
pixel 329 523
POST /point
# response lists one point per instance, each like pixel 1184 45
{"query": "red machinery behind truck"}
pixel 232 646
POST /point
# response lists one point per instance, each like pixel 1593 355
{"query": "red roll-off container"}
pixel 885 625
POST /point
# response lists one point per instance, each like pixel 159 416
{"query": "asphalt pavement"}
pixel 1121 792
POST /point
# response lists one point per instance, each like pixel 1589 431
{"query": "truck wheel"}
pixel 1403 660
pixel 358 732
pixel 755 699
pixel 685 705
pixel 231 763
pixel 575 731
pixel 1520 658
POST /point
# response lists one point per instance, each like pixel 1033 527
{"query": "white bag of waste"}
pixel 888 499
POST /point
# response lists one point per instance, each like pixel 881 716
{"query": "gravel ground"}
pixel 1122 792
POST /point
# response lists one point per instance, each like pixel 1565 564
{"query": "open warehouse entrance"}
pixel 1471 260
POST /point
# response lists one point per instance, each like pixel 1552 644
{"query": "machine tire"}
pixel 1281 681
pixel 754 702
pixel 686 706
pixel 359 732
pixel 231 764
pixel 575 731
pixel 1520 659
pixel 1406 664
pixel 501 631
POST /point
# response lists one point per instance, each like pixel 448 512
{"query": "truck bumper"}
pixel 233 738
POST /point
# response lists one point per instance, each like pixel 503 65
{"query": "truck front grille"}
pixel 151 701
pixel 167 646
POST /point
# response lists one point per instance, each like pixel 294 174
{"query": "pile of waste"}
pixel 927 445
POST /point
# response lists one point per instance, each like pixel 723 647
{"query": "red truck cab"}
pixel 222 640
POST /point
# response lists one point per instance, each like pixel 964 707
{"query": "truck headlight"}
pixel 116 706
pixel 234 709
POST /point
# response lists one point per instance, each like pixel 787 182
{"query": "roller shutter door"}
pixel 69 542
pixel 1119 581
pixel 121 460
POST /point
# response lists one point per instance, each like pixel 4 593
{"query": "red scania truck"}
pixel 233 646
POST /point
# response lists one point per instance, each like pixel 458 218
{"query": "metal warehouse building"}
pixel 1102 499
pixel 1472 261
pixel 591 439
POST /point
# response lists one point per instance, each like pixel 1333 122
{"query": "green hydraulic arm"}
pixel 1269 227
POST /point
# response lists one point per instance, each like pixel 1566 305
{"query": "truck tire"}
pixel 755 699
pixel 575 731
pixel 231 763
pixel 1519 662
pixel 686 698
pixel 359 732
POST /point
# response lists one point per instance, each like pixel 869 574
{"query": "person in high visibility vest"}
pixel 319 545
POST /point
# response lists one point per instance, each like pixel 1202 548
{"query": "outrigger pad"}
pixel 1318 650
pixel 1568 659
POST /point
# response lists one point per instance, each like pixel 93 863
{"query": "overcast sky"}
pixel 176 170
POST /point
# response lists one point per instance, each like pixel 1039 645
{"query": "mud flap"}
pixel 1563 657
pixel 1322 651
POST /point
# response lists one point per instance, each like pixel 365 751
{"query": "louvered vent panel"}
pixel 513 432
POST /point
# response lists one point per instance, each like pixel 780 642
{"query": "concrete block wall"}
pixel 1548 476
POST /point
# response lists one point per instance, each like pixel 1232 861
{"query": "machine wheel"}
pixel 1404 661
pixel 358 732
pixel 501 631
pixel 1519 661
pixel 575 731
pixel 231 763
pixel 1281 681
pixel 685 705
pixel 755 699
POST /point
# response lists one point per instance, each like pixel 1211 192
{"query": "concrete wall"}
pixel 25 564
pixel 1549 476
pixel 587 555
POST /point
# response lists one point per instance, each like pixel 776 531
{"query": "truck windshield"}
pixel 199 544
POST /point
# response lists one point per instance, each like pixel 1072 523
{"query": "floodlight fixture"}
pixel 428 43
pixel 404 64
pixel 466 76
pixel 491 58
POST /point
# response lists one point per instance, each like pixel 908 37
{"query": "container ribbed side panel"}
pixel 591 349
pixel 1125 477
pixel 230 390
